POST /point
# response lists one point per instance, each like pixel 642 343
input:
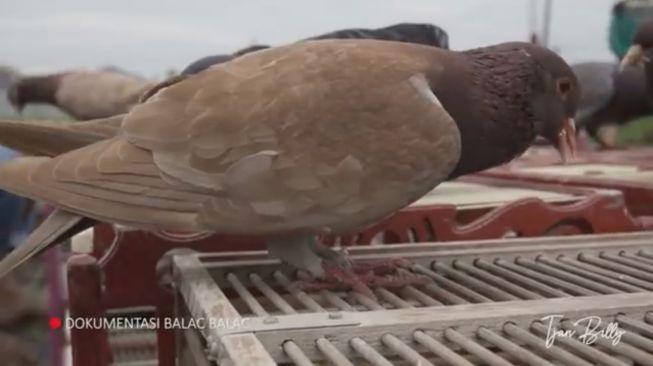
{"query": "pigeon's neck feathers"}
pixel 501 80
pixel 40 89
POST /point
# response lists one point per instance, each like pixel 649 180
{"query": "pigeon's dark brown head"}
pixel 555 99
pixel 35 89
pixel 514 93
pixel 529 91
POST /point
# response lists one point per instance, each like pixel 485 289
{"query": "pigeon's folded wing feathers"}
pixel 52 138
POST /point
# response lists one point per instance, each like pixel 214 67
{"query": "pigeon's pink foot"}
pixel 363 276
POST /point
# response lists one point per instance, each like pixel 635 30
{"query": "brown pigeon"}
pixel 305 139
pixel 82 94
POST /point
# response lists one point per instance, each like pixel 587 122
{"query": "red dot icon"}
pixel 55 322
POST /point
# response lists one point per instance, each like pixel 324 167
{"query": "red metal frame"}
pixel 129 277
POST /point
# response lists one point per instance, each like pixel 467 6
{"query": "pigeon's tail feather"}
pixel 50 138
pixel 59 226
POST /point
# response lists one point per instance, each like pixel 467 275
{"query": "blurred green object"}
pixel 637 132
pixel 626 16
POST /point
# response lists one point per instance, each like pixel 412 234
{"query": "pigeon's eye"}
pixel 563 86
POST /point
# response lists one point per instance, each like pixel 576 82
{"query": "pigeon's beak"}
pixel 567 140
pixel 634 56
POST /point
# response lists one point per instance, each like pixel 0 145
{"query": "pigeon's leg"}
pixel 332 270
pixel 329 269
pixel 298 252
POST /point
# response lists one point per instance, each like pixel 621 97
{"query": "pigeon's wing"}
pixel 52 138
pixel 315 135
pixel 597 88
pixel 307 128
pixel 110 181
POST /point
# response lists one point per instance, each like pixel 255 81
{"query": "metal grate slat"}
pixel 547 279
pixel 440 349
pixel 296 354
pixel 474 348
pixel 511 348
pixel 477 285
pixel 597 277
pixel 452 285
pixel 271 295
pixel 332 353
pixel 301 296
pixel 567 276
pixel 369 353
pixel 590 353
pixel 525 281
pixel 554 352
pixel 403 350
pixel 247 296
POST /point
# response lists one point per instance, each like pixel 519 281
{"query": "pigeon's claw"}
pixel 362 277
pixel 338 278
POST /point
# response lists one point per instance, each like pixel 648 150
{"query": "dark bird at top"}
pixel 420 33
pixel 610 98
pixel 80 93
pixel 296 141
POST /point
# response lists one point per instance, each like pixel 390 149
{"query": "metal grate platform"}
pixel 483 306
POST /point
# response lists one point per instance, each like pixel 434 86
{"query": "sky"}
pixel 152 36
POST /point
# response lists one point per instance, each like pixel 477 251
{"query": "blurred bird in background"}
pixel 614 95
pixel 610 98
pixel 80 93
